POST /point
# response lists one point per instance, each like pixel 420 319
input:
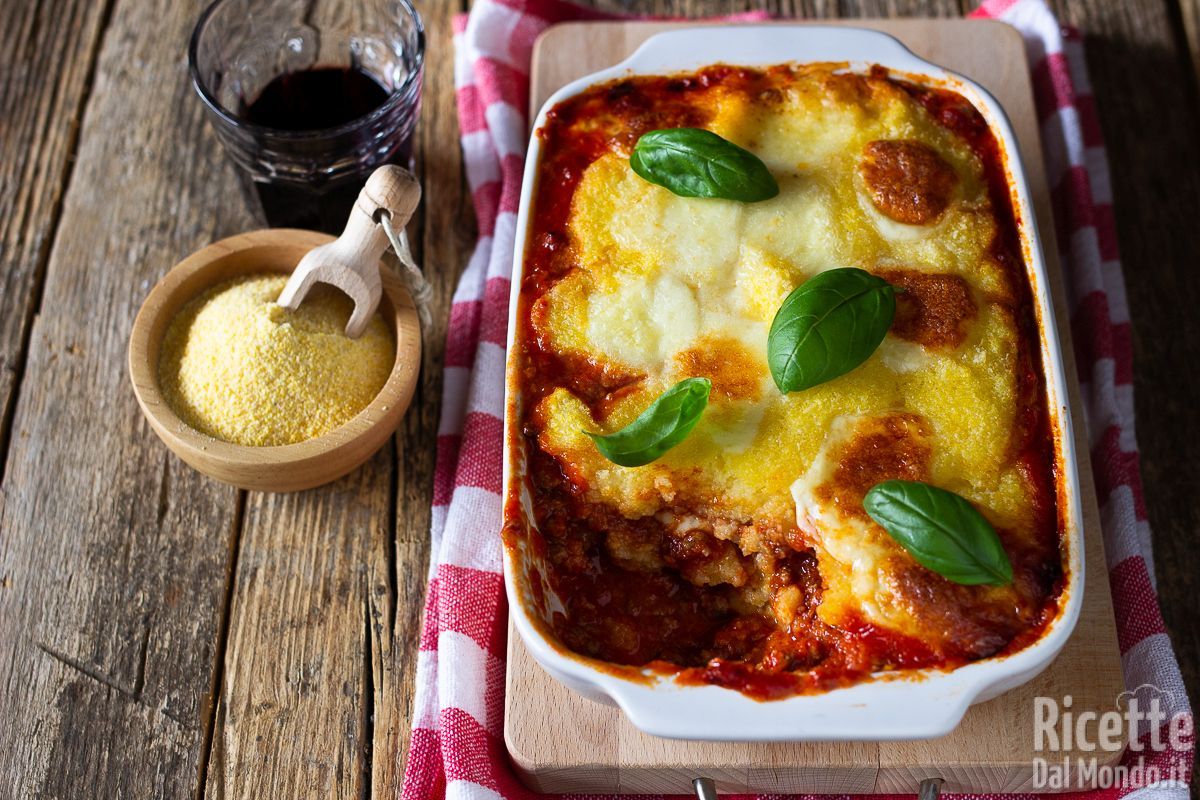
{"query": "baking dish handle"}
pixel 751 45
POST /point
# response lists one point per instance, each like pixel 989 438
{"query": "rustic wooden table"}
pixel 162 635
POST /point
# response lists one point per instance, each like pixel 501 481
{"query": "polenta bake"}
pixel 776 378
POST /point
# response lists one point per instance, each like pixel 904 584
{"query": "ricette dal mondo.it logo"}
pixel 1082 747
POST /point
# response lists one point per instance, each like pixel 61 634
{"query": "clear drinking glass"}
pixel 309 178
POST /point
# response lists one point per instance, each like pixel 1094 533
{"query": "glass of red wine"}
pixel 308 97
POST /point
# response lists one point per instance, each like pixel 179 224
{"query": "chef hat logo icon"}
pixel 1145 695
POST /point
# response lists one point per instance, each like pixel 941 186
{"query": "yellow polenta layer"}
pixel 657 274
pixel 239 367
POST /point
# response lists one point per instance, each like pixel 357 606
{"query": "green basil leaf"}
pixel 693 162
pixel 941 530
pixel 827 326
pixel 666 423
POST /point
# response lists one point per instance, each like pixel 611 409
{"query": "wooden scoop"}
pixel 351 262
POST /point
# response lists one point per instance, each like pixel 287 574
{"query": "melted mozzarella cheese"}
pixel 853 552
pixel 868 576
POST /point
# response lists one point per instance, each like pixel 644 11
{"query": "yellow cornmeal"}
pixel 238 367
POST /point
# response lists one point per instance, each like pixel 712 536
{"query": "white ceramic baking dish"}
pixel 907 705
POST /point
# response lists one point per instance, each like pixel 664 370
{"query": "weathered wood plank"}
pixel 444 232
pixel 1189 13
pixel 891 8
pixel 692 8
pixel 785 8
pixel 297 694
pixel 113 556
pixel 47 55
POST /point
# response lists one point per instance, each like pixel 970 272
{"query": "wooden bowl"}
pixel 283 468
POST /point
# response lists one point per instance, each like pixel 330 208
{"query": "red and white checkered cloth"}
pixel 457 748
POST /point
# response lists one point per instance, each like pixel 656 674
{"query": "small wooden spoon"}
pixel 351 262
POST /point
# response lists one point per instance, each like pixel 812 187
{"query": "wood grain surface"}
pixel 1190 13
pixel 114 557
pixel 47 58
pixel 135 593
pixel 992 750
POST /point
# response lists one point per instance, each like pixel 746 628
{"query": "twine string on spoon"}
pixel 414 279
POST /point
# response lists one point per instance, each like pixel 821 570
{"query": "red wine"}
pixel 315 99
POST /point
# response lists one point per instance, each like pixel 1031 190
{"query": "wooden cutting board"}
pixel 560 742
